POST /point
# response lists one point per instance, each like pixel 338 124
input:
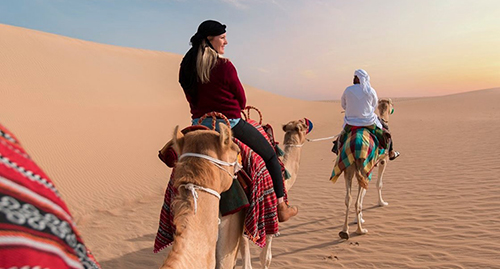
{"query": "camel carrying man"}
pixel 360 102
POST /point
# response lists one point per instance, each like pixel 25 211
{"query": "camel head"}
pixel 295 132
pixel 205 168
pixel 385 107
pixel 200 171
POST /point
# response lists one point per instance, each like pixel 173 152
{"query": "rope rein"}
pixel 311 140
pixel 324 138
pixel 191 187
pixel 219 163
pixel 294 145
pixel 216 162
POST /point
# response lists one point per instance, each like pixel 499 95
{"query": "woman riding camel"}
pixel 210 83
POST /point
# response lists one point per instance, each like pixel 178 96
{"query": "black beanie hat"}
pixel 208 28
pixel 188 77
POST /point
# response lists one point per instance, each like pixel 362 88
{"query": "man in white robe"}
pixel 360 102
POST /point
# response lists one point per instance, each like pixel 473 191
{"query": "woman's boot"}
pixel 285 211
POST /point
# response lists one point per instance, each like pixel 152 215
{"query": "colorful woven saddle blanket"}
pixel 36 227
pixel 358 143
pixel 260 201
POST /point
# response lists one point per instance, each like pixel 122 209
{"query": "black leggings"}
pixel 387 127
pixel 251 137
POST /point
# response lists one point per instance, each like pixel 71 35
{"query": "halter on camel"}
pixel 309 125
pixel 218 163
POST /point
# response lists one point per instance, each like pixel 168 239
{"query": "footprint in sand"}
pixel 332 257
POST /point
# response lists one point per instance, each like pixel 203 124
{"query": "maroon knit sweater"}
pixel 223 93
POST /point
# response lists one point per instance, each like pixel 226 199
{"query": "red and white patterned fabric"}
pixel 36 227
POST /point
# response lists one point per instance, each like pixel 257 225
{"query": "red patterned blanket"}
pixel 36 228
pixel 261 217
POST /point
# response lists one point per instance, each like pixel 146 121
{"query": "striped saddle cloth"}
pixel 357 143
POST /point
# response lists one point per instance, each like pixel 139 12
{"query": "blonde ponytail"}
pixel 205 61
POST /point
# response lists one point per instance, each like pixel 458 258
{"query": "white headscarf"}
pixel 364 80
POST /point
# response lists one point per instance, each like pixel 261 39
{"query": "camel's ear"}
pixel 177 139
pixel 390 101
pixel 225 136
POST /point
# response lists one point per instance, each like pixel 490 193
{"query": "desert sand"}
pixel 94 116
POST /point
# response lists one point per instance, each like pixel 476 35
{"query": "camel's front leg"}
pixel 348 175
pixel 230 234
pixel 381 170
pixel 266 254
pixel 360 229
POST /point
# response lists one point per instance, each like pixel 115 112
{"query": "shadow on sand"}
pixel 142 259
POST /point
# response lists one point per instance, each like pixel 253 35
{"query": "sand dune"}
pixel 94 116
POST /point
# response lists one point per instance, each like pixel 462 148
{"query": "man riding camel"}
pixel 360 102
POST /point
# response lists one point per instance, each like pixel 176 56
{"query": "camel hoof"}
pixel 344 235
pixel 382 203
pixel 362 231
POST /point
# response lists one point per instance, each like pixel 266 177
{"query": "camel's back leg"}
pixel 230 235
pixel 362 185
pixel 361 207
pixel 381 169
pixel 266 254
pixel 348 176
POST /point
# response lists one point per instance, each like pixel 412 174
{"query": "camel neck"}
pixel 385 118
pixel 196 234
pixel 384 114
pixel 291 160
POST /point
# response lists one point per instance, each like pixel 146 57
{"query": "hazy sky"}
pixel 305 49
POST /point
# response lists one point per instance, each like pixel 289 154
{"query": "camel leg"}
pixel 361 208
pixel 348 175
pixel 266 254
pixel 360 229
pixel 230 235
pixel 381 170
pixel 246 257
